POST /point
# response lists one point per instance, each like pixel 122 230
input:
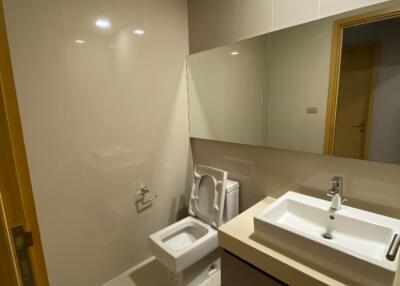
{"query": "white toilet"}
pixel 189 247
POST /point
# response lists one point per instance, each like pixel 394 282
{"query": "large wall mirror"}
pixel 330 86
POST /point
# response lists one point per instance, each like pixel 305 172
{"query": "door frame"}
pixel 336 56
pixel 17 205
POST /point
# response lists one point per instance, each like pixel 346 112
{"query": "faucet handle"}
pixel 337 181
pixel 330 194
pixel 334 184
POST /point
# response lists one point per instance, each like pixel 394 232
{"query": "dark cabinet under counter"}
pixel 236 271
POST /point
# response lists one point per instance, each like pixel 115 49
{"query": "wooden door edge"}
pixel 10 255
pixel 9 98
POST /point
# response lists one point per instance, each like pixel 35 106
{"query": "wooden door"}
pixel 24 266
pixel 355 101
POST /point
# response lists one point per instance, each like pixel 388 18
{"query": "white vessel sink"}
pixel 349 243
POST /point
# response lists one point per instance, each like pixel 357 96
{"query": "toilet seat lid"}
pixel 207 197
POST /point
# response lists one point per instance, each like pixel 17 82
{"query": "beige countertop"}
pixel 236 237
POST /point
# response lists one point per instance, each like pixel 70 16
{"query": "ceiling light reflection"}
pixel 138 32
pixel 103 23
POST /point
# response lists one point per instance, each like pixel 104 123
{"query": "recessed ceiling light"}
pixel 79 41
pixel 235 53
pixel 138 32
pixel 103 23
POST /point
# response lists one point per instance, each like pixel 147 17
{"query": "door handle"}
pixel 22 241
pixel 358 125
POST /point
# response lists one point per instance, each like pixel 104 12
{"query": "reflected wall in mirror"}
pixel 325 87
pixel 298 86
pixel 227 98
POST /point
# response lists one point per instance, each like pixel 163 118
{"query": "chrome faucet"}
pixel 336 193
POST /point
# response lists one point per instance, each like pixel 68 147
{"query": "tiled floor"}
pixel 153 274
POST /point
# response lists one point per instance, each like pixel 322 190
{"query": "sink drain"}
pixel 327 235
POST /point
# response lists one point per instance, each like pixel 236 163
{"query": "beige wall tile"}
pixel 98 117
pixel 288 13
pixel 285 170
pixel 332 7
pixel 215 23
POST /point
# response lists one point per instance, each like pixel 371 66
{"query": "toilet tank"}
pixel 231 207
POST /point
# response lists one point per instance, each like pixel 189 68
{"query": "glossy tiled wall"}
pixel 102 108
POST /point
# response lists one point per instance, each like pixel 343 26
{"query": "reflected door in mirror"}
pixel 355 101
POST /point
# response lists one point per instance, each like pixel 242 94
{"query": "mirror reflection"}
pixel 326 87
pixel 227 96
pixel 367 124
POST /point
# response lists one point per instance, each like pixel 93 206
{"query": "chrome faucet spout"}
pixel 336 192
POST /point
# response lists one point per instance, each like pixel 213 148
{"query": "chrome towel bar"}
pixel 393 248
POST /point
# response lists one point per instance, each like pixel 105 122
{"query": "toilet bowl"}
pixel 189 248
pixel 183 243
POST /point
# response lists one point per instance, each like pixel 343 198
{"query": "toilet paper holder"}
pixel 142 196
